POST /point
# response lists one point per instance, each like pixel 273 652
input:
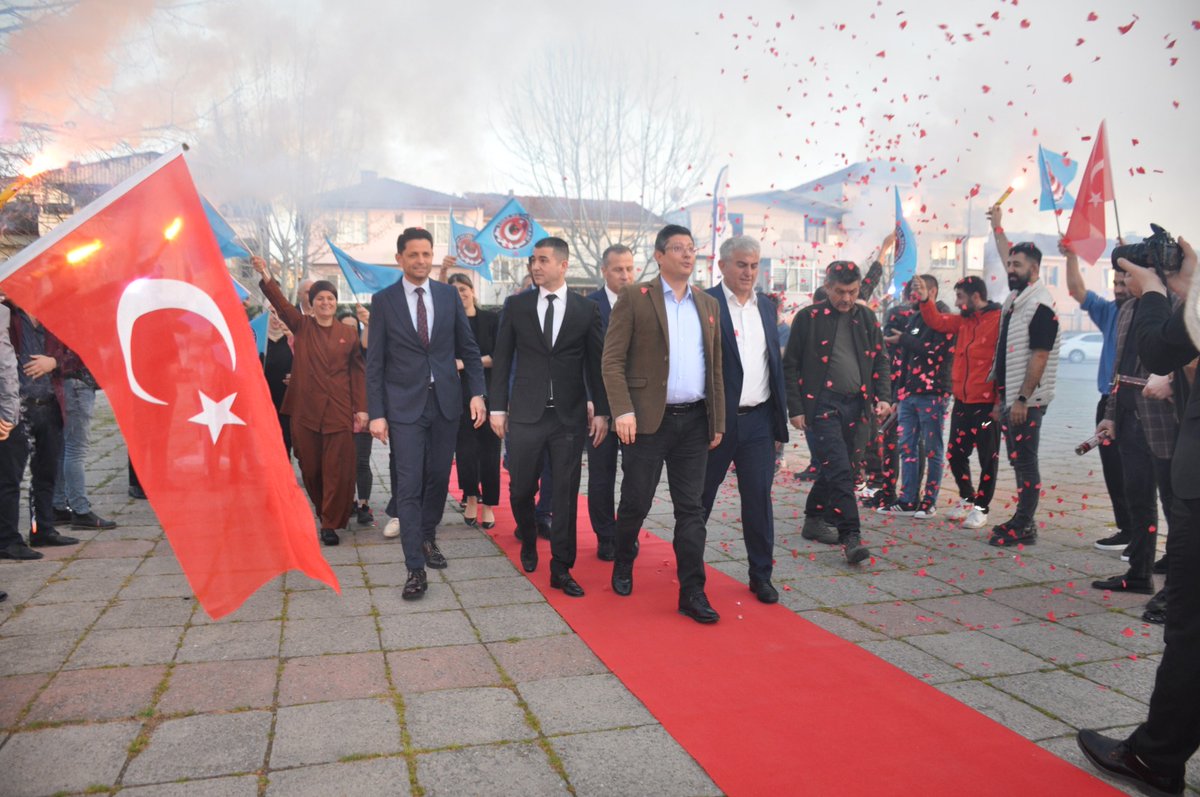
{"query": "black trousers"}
pixel 1022 444
pixel 1145 475
pixel 1114 478
pixel 602 485
pixel 972 429
pixel 14 452
pixel 564 446
pixel 477 460
pixel 44 427
pixel 362 465
pixel 681 443
pixel 833 432
pixel 1171 733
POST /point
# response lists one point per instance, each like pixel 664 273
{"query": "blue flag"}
pixel 511 233
pixel 468 251
pixel 242 293
pixel 363 277
pixel 905 255
pixel 258 325
pixel 227 239
pixel 1056 173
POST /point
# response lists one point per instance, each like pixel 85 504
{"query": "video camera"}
pixel 1160 252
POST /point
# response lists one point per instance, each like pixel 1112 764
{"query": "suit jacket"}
pixel 731 363
pixel 806 361
pixel 1164 345
pixel 486 324
pixel 576 353
pixel 600 297
pixel 398 366
pixel 637 357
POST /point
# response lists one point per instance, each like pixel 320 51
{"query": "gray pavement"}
pixel 113 680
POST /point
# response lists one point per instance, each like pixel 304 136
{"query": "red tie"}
pixel 422 318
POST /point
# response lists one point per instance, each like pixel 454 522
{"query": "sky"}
pixel 963 93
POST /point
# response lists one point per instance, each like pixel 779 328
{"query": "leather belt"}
pixel 750 409
pixel 682 409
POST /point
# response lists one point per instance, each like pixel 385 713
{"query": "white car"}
pixel 1081 347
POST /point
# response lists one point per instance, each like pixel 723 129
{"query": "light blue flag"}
pixel 1057 172
pixel 511 233
pixel 258 325
pixel 242 293
pixel 905 255
pixel 363 277
pixel 468 251
pixel 227 239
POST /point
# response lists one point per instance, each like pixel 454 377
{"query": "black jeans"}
pixel 14 451
pixel 602 483
pixel 972 429
pixel 681 443
pixel 1171 733
pixel 833 430
pixel 362 465
pixel 1114 478
pixel 1022 445
pixel 477 459
pixel 43 424
pixel 563 446
pixel 1142 473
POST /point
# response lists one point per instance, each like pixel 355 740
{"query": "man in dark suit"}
pixel 1156 753
pixel 662 369
pixel 556 339
pixel 414 396
pixel 616 266
pixel 755 405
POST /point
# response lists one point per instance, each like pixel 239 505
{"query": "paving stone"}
pixel 427 629
pixel 313 604
pixel 899 619
pixel 77 590
pixel 471 568
pixel 105 694
pixel 546 657
pixel 651 762
pixel 266 604
pixel 381 552
pixel 126 646
pixel 388 600
pixel 1064 599
pixel 972 575
pixel 497 592
pixel 978 654
pixel 110 549
pixel 159 566
pixel 336 677
pixel 1009 712
pixel 220 686
pixel 910 585
pixel 331 635
pixel 1074 700
pixel 157 587
pixel 99 568
pixel 390 575
pixel 52 619
pixel 36 653
pixel 84 756
pixel 464 716
pixel 202 746
pixel 509 770
pixel 1133 676
pixel 975 611
pixel 455 549
pixel 913 661
pixel 319 733
pixel 15 693
pixel 521 621
pixel 146 612
pixel 227 641
pixel 842 590
pixel 1057 643
pixel 379 777
pixel 1131 633
pixel 844 627
pixel 583 703
pixel 240 786
pixel 452 667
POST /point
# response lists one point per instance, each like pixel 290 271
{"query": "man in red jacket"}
pixel 972 424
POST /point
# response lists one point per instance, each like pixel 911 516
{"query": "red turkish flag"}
pixel 136 285
pixel 1085 233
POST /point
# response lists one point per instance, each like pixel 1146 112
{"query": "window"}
pixel 943 254
pixel 438 225
pixel 816 231
pixel 352 227
pixel 1052 276
pixel 398 219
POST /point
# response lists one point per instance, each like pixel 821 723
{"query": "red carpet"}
pixel 771 704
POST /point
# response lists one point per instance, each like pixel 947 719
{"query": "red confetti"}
pixel 1128 632
pixel 1092 17
pixel 1024 23
pixel 1068 79
pixel 1051 616
pixel 986 89
pixel 1126 28
pixel 881 54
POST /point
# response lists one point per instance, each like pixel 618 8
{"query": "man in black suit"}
pixel 414 396
pixel 755 405
pixel 557 339
pixel 1156 753
pixel 616 266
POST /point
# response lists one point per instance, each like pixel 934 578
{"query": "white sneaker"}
pixel 865 490
pixel 976 519
pixel 896 509
pixel 925 512
pixel 392 529
pixel 960 510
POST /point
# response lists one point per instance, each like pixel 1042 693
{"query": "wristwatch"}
pixel 1023 399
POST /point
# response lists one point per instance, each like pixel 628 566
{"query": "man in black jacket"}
pixel 836 374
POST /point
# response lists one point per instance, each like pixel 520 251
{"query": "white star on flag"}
pixel 216 415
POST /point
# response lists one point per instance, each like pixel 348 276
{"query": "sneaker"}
pixel 904 510
pixel 818 530
pixel 89 520
pixel 392 529
pixel 924 512
pixel 1116 542
pixel 854 549
pixel 1006 536
pixel 976 519
pixel 1125 553
pixel 960 510
pixel 865 491
pixel 364 515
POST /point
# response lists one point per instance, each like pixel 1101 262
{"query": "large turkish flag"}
pixel 136 285
pixel 1086 233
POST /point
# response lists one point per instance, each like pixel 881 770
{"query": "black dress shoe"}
pixel 529 557
pixel 3 596
pixel 47 539
pixel 415 586
pixel 62 515
pixel 606 549
pixel 1006 536
pixel 137 492
pixel 433 555
pixel 1142 586
pixel 1117 759
pixel 1160 566
pixel 622 578
pixel 543 529
pixel 330 537
pixel 697 607
pixel 764 590
pixel 364 515
pixel 1155 615
pixel 568 585
pixel 88 520
pixel 20 551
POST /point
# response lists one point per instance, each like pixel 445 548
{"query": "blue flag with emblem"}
pixel 364 277
pixel 511 233
pixel 1057 172
pixel 468 251
pixel 227 239
pixel 904 257
pixel 258 325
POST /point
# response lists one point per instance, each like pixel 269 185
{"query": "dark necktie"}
pixel 422 318
pixel 548 323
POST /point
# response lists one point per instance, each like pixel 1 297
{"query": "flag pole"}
pixel 1117 215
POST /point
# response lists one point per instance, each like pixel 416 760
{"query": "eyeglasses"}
pixel 680 249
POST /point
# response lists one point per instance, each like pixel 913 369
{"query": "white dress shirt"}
pixel 560 309
pixel 752 348
pixel 410 295
pixel 612 297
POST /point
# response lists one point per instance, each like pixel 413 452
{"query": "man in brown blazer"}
pixel 662 371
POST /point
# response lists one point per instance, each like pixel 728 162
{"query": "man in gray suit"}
pixel 414 397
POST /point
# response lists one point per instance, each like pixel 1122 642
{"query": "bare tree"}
pixel 17 16
pixel 613 147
